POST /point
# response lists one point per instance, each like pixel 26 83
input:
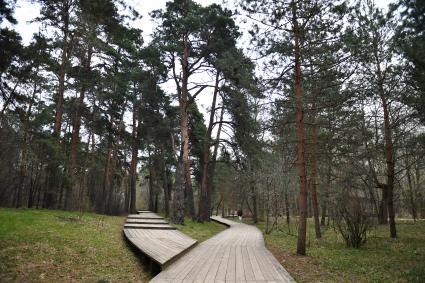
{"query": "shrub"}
pixel 353 219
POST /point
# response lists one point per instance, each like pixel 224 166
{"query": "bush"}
pixel 353 219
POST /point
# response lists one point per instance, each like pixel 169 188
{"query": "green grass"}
pixel 381 260
pixel 200 231
pixel 57 246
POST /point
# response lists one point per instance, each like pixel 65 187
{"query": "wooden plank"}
pixel 222 269
pixel 268 272
pixel 212 271
pixel 249 273
pixel 155 238
pixel 146 221
pixel 144 216
pixel 255 266
pixel 231 266
pixel 235 255
pixel 240 273
pixel 148 226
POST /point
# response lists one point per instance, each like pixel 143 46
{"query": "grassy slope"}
pixel 328 260
pixel 200 231
pixel 50 246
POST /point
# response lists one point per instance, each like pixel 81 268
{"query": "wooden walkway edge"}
pixel 237 254
pixel 155 238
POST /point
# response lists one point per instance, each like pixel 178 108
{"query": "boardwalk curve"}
pixel 237 254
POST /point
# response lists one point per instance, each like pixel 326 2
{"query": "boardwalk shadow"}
pixel 147 264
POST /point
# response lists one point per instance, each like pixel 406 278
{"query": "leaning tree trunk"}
pixel 302 228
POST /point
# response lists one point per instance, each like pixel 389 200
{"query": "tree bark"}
pixel 327 190
pixel 184 127
pixel 389 151
pixel 152 189
pixel 23 165
pixel 166 189
pixel 70 194
pixel 103 201
pixel 133 166
pixel 302 228
pixel 204 209
pixel 411 193
pixel 313 181
pixel 215 153
pixel 178 198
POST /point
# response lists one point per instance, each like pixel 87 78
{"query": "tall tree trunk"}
pixel 302 228
pixel 62 71
pixel 151 204
pixel 287 209
pixel 327 190
pixel 389 151
pixel 133 166
pixel 23 165
pixel 411 193
pixel 52 186
pixel 70 193
pixel 33 186
pixel 383 208
pixel 421 207
pixel 166 191
pixel 313 181
pixel 214 157
pixel 184 127
pixel 254 205
pixel 103 200
pixel 178 198
pixel 204 209
pixel 111 188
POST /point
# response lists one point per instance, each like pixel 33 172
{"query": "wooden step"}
pixel 148 226
pixel 146 221
pixel 144 216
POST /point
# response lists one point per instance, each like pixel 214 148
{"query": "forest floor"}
pixel 59 246
pixel 381 259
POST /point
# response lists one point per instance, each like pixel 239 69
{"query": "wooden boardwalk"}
pixel 237 254
pixel 153 236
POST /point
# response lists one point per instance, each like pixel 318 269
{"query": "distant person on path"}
pixel 240 214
